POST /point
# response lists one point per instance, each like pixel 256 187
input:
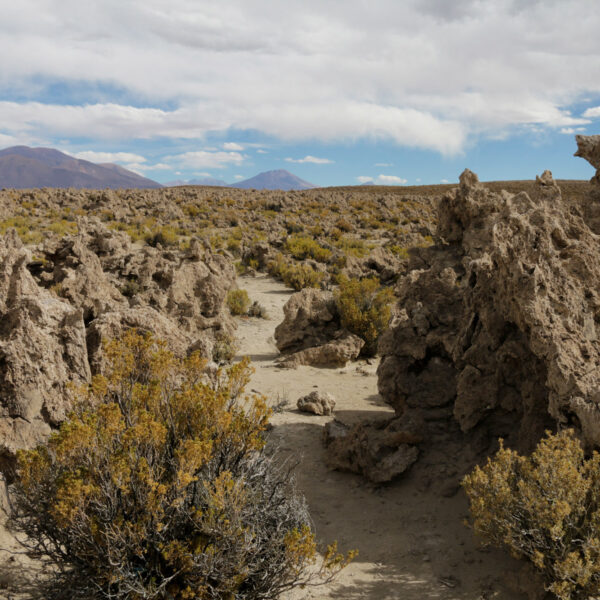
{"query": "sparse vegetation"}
pixel 158 486
pixel 238 302
pixel 544 507
pixel 365 309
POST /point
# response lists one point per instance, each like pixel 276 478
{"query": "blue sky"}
pixel 398 92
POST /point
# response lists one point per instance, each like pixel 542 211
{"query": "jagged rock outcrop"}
pixel 77 275
pixel 95 280
pixel 501 324
pixel 588 147
pixel 146 320
pixel 317 403
pixel 42 349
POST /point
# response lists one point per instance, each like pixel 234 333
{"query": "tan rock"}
pixel 500 325
pixel 311 319
pixel 378 450
pixel 336 353
pixel 42 349
pixel 318 403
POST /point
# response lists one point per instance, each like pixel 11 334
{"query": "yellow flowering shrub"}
pixel 159 486
pixel 238 302
pixel 365 309
pixel 544 507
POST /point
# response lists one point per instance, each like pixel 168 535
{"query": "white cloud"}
pixel 382 180
pixel 238 177
pixel 390 180
pixel 261 151
pixel 108 157
pixel 384 165
pixel 232 146
pixel 571 130
pixel 460 69
pixel 592 113
pixel 444 181
pixel 202 159
pixel 143 167
pixel 310 159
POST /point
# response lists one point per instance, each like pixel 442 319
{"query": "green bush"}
pixel 158 486
pixel 301 247
pixel 295 276
pixel 165 236
pixel 546 508
pixel 238 302
pixel 365 309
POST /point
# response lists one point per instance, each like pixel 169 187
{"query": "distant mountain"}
pixel 368 183
pixel 23 167
pixel 279 179
pixel 204 181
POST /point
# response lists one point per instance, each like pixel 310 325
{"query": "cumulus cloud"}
pixel 390 180
pixel 109 157
pixel 238 177
pixel 233 146
pixel 592 113
pixel 433 74
pixel 202 159
pixel 310 159
pixel 571 130
pixel 382 180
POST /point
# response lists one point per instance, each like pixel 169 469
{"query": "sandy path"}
pixel 412 543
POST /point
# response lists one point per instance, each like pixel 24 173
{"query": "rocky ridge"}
pixel 56 309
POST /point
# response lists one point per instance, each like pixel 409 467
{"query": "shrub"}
pixel 295 276
pixel 545 507
pixel 301 247
pixel 364 307
pixel 165 236
pixel 158 486
pixel 238 302
pixel 299 277
pixel 225 348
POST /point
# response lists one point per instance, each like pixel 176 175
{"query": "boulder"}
pixel 42 350
pixel 378 450
pixel 318 403
pixel 310 319
pixel 336 353
pixel 497 327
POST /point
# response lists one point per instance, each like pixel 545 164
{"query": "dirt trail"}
pixel 412 543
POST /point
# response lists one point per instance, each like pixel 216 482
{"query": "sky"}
pixel 339 92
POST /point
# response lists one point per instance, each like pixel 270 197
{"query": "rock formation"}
pixel 588 147
pixel 311 333
pixel 317 403
pixel 502 322
pixel 42 349
pixel 379 450
pixel 56 310
pixel 496 333
pixel 343 347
